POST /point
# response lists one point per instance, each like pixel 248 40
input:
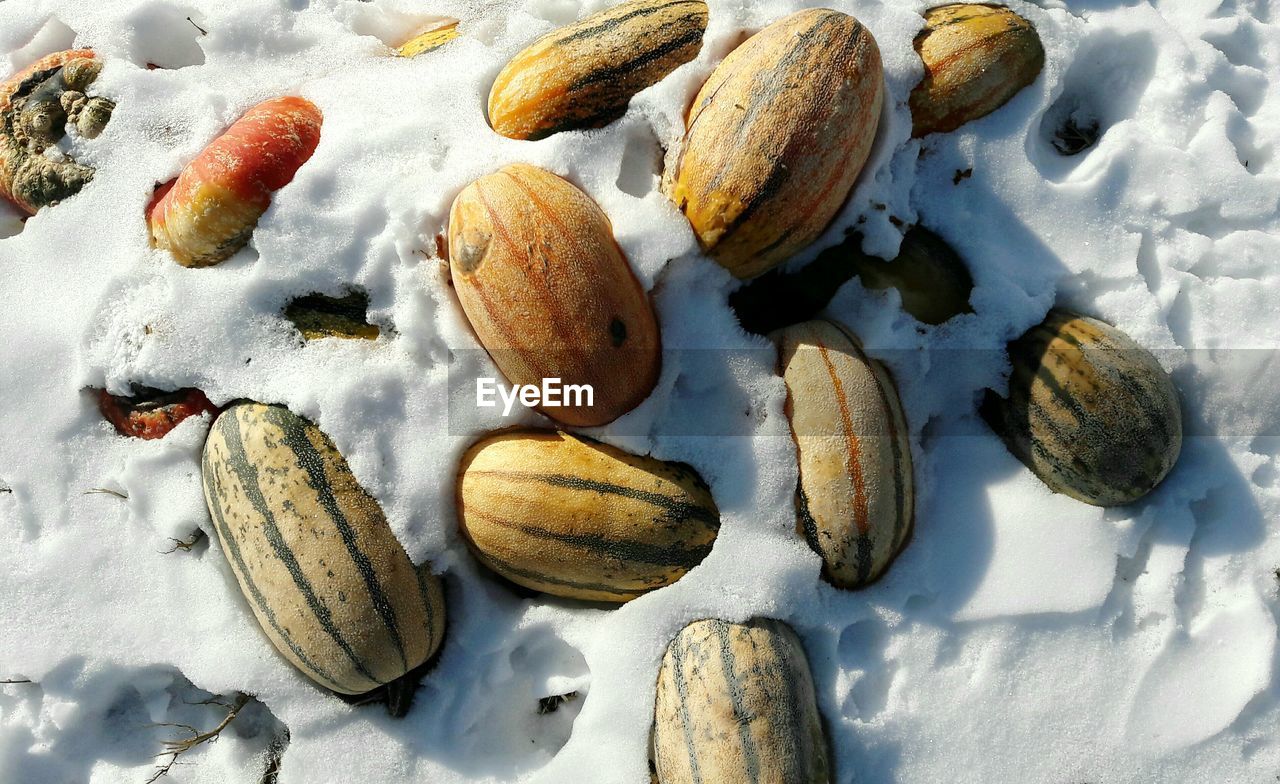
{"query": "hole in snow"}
pixel 861 647
pixel 1103 86
pixel 557 12
pixel 1241 46
pixel 1252 150
pixel 641 162
pixel 393 28
pixel 163 35
pixel 53 36
pixel 550 679
pixel 318 316
pixel 1078 132
pixel 1265 475
pixel 522 710
pixel 149 413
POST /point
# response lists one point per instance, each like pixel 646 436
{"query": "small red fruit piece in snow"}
pixel 152 413
pixel 209 212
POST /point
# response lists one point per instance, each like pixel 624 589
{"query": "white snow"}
pixel 1021 636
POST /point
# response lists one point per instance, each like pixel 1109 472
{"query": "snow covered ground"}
pixel 1021 637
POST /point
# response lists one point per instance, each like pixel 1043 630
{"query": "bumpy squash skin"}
pixel 584 75
pixel 331 586
pixel 1089 411
pixel 549 292
pixel 209 212
pixel 776 138
pixel 855 501
pixel 579 519
pixel 736 703
pixel 976 57
pixel 28 179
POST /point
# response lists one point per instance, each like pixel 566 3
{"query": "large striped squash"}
pixel 576 518
pixel 584 75
pixel 331 586
pixel 736 704
pixel 776 138
pixel 976 57
pixel 856 496
pixel 1089 411
pixel 549 293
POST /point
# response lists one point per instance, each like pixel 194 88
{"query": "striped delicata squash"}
pixel 1089 411
pixel 736 703
pixel 331 586
pixel 576 518
pixel 584 75
pixel 856 496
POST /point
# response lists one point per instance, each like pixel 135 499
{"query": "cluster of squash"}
pixel 774 142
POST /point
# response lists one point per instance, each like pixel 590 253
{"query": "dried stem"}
pixel 176 747
pixel 184 545
pixel 106 491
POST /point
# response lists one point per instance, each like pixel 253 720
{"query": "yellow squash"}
pixel 580 519
pixel 584 75
pixel 549 293
pixel 776 138
pixel 976 57
pixel 434 37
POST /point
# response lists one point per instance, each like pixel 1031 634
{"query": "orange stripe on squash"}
pixel 210 211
